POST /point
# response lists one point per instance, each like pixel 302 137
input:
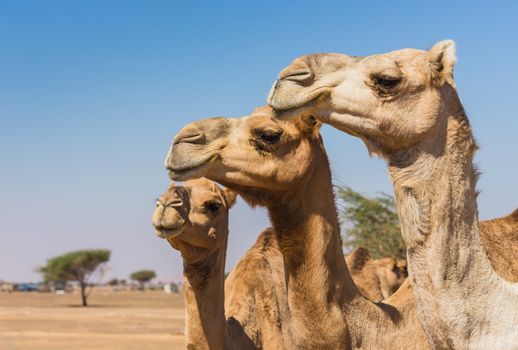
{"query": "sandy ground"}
pixel 115 320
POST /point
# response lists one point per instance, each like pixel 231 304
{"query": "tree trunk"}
pixel 83 293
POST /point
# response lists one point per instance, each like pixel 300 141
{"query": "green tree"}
pixel 143 276
pixel 113 282
pixel 370 222
pixel 78 266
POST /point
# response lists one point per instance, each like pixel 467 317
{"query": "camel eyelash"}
pixel 384 85
pixel 261 147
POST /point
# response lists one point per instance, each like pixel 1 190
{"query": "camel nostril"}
pixel 190 138
pixel 175 203
pixel 300 75
pixel 190 135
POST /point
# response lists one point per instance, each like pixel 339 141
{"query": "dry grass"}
pixel 115 320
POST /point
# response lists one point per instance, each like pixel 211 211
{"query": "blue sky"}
pixel 92 92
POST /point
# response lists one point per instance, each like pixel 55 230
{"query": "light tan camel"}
pixel 405 107
pixel 247 313
pixel 282 165
pixel 377 279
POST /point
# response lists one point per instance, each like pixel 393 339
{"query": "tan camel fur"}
pixel 256 284
pixel 282 165
pixel 377 279
pixel 249 313
pixel 500 240
pixel 405 107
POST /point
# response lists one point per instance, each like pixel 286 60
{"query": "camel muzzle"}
pixel 188 155
pixel 190 134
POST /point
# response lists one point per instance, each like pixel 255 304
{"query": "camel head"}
pixel 258 156
pixel 194 217
pixel 392 272
pixel 392 101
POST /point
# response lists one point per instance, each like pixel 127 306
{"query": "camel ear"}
pixel 395 266
pixel 358 258
pixel 310 125
pixel 442 58
pixel 230 197
pixel 172 185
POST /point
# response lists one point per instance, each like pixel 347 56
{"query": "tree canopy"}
pixel 370 222
pixel 143 276
pixel 77 266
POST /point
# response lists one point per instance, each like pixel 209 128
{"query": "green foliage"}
pixel 370 222
pixel 74 266
pixel 113 282
pixel 143 276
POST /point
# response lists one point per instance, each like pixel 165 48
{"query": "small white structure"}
pixel 171 288
pixel 6 287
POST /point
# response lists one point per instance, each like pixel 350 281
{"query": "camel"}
pixel 500 240
pixel 282 165
pixel 248 309
pixel 377 279
pixel 405 107
pixel 186 215
pixel 245 296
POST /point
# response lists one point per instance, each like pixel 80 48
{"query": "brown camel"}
pixel 191 214
pixel 257 282
pixel 248 309
pixel 282 165
pixel 405 107
pixel 377 279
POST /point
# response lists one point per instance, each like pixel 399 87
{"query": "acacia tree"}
pixel 143 276
pixel 78 266
pixel 370 222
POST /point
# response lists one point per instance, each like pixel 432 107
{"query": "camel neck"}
pixel 435 193
pixel 204 301
pixel 317 277
pixel 437 183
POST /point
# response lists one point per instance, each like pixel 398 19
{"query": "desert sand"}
pixel 115 320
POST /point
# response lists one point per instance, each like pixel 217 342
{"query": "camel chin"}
pixel 183 170
pixel 182 175
pixel 169 233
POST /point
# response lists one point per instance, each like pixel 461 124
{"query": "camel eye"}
pixel 157 203
pixel 212 206
pixel 270 138
pixel 386 82
pixel 264 139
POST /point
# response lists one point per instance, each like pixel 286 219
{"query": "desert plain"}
pixel 114 320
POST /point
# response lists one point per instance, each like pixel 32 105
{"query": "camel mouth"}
pixel 296 107
pixel 293 112
pixel 167 233
pixel 286 114
pixel 358 125
pixel 189 171
pixel 291 107
pixel 185 174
